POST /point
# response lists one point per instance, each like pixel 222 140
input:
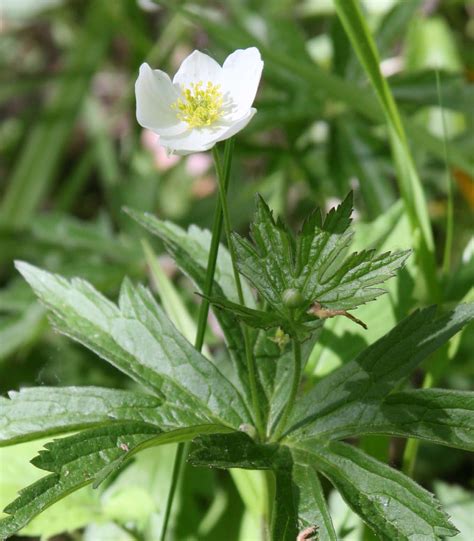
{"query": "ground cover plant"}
pixel 279 384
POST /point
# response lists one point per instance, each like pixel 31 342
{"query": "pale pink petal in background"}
pixel 163 161
pixel 198 164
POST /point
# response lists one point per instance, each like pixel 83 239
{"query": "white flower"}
pixel 205 103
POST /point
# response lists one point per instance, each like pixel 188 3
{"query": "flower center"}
pixel 199 106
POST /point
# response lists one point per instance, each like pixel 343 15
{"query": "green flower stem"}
pixel 294 390
pixel 222 175
pixel 183 448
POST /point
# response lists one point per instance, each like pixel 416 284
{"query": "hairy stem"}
pixel 182 449
pixel 222 175
pixel 294 390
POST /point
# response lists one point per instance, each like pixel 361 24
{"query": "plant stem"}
pixel 182 449
pixel 178 466
pixel 222 175
pixel 294 389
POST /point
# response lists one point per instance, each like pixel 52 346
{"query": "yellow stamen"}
pixel 199 106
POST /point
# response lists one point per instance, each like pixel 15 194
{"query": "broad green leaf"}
pixel 313 265
pixel 233 450
pixel 73 512
pixel 284 525
pixel 312 506
pixel 435 415
pixel 84 458
pixel 343 397
pixel 75 461
pixel 340 339
pixel 42 411
pixel 299 501
pixel 190 250
pixel 139 340
pixel 393 505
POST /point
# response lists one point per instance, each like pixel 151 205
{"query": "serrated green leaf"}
pixel 300 505
pixel 284 525
pixel 76 461
pixel 393 505
pixel 233 450
pixel 139 339
pixel 352 393
pixel 84 458
pixel 440 416
pixel 42 411
pixel 299 499
pixel 190 250
pixel 73 512
pixel 313 265
pixel 312 505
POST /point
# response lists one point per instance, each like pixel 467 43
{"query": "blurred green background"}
pixel 73 155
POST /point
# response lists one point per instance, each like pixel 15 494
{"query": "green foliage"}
pixel 191 399
pixel 50 410
pixel 358 388
pixel 392 504
pixel 190 251
pixel 361 96
pixel 138 338
pixel 313 266
pixel 87 457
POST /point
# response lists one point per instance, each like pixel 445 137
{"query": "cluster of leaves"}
pixel 187 396
pixel 292 274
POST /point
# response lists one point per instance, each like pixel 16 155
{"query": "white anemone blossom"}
pixel 205 103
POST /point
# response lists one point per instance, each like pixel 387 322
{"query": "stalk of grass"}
pixel 353 21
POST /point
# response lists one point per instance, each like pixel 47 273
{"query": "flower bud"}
pixel 292 298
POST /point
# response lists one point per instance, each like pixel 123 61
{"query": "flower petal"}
pixel 242 71
pixel 202 139
pixel 237 126
pixel 155 94
pixel 198 67
pixel 195 140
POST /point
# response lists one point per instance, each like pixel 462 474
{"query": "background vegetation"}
pixel 73 156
